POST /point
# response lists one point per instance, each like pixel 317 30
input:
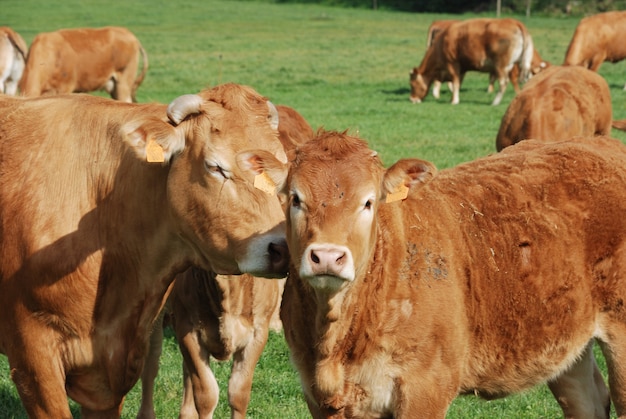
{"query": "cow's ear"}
pixel 270 174
pixel 405 175
pixel 153 139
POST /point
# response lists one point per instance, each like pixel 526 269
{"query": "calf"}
pixel 13 50
pixel 85 60
pixel 409 287
pixel 559 103
pixel 488 45
pixel 597 39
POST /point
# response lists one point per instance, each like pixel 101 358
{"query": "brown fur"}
pixel 559 103
pixel 93 235
pixel 221 316
pixel 486 45
pixel 85 60
pixel 489 278
pixel 597 39
pixel 13 50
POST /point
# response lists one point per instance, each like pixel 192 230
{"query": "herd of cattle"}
pixel 405 286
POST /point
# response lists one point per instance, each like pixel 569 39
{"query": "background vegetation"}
pixel 341 69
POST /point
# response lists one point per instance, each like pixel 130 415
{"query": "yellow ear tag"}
pixel 265 183
pixel 400 193
pixel 154 152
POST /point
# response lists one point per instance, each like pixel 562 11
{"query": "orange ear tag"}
pixel 400 193
pixel 265 183
pixel 154 152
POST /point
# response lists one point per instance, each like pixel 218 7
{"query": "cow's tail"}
pixel 619 124
pixel 526 59
pixel 142 75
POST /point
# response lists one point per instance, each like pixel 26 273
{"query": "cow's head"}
pixel 231 225
pixel 331 192
pixel 419 87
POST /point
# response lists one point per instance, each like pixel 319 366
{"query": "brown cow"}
pixel 223 317
pixel 409 287
pixel 13 51
pixel 597 39
pixel 487 45
pixel 85 60
pixel 537 64
pixel 559 103
pixel 102 203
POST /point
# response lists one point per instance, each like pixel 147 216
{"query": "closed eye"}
pixel 216 170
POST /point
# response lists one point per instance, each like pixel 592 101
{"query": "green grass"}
pixel 340 68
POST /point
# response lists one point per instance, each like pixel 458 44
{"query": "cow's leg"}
pixel 614 352
pixel 492 80
pixel 436 89
pixel 456 88
pixel 502 82
pixel 150 371
pixel 581 391
pixel 199 379
pixel 37 372
pixel 240 382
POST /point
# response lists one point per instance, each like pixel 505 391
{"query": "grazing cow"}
pixel 409 287
pixel 493 46
pixel 223 317
pixel 13 51
pixel 597 39
pixel 85 60
pixel 559 103
pixel 102 203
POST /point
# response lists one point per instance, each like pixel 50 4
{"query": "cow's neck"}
pixel 345 319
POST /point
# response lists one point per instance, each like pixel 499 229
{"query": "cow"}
pixel 487 45
pixel 85 60
pixel 559 103
pixel 102 203
pixel 409 286
pixel 13 51
pixel 597 39
pixel 221 316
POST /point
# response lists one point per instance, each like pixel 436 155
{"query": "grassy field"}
pixel 341 69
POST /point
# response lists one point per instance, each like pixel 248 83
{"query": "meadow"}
pixel 342 69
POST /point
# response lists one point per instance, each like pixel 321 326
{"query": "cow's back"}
pixel 556 104
pixel 596 39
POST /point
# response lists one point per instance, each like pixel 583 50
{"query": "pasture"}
pixel 341 69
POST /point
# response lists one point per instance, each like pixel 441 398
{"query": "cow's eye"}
pixel 216 170
pixel 368 205
pixel 295 201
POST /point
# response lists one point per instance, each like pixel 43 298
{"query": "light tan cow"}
pixel 222 317
pixel 493 46
pixel 410 286
pixel 102 203
pixel 13 51
pixel 85 60
pixel 559 103
pixel 597 39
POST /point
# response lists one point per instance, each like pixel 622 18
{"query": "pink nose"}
pixel 327 260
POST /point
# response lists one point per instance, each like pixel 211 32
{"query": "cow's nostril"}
pixel 314 257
